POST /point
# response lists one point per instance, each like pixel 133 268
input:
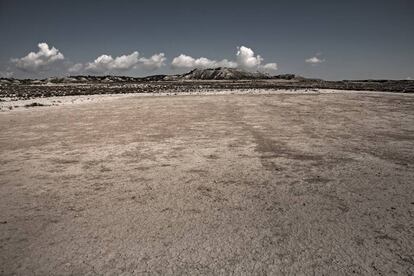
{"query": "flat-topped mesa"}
pixel 223 73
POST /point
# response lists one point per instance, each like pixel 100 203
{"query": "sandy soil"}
pixel 307 184
pixel 8 104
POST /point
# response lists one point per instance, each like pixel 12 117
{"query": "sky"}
pixel 332 40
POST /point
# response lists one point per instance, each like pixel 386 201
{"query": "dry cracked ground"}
pixel 280 184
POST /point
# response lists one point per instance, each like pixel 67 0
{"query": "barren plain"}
pixel 247 184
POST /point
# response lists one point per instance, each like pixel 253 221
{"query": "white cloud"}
pixel 269 67
pixel 40 60
pixel 106 63
pixel 184 61
pixel 226 63
pixel 207 63
pixel 204 63
pixel 247 59
pixel 48 58
pixel 245 56
pixel 154 62
pixel 314 60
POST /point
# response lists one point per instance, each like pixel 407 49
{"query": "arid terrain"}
pixel 281 183
pixel 195 81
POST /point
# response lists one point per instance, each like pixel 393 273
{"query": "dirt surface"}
pixel 234 184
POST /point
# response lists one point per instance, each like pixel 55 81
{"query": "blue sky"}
pixel 324 39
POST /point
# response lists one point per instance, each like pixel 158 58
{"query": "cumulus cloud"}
pixel 245 58
pixel 269 66
pixel 39 61
pixel 315 60
pixel 154 62
pixel 48 58
pixel 184 61
pixel 248 60
pixel 107 64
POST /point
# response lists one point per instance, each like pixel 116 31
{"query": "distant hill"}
pixel 214 78
pixel 219 73
pixel 217 77
pixel 223 73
